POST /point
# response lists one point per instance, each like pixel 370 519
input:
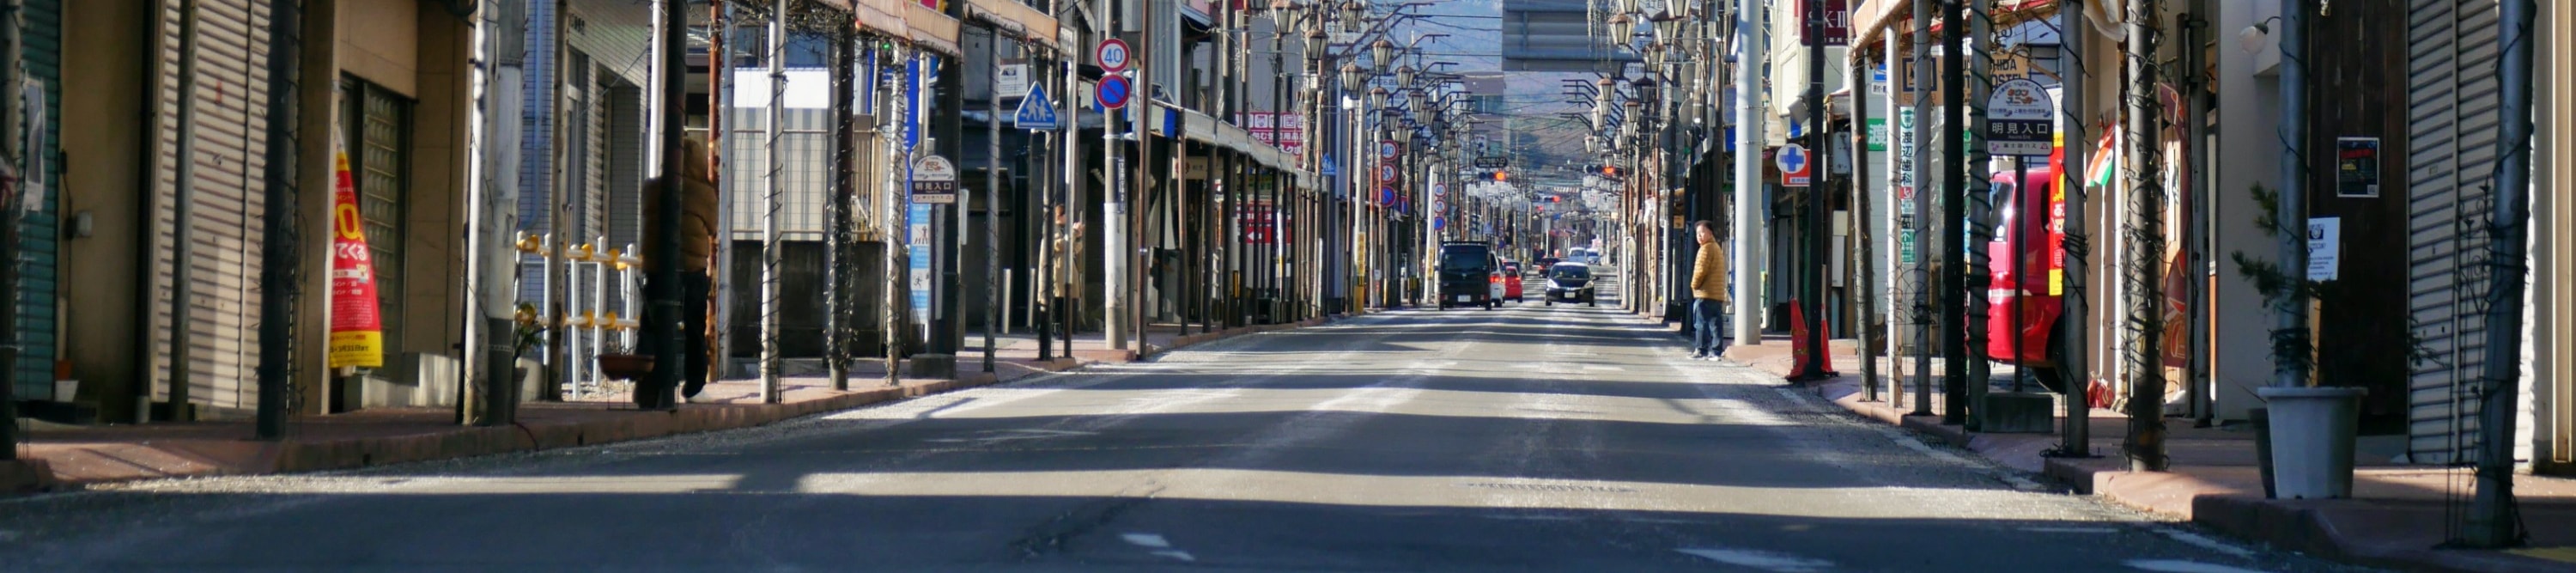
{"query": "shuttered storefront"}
pixel 223 289
pixel 2452 124
pixel 37 272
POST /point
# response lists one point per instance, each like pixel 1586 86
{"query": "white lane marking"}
pixel 2180 566
pixel 1181 555
pixel 2095 530
pixel 1147 540
pixel 1764 560
pixel 1592 368
pixel 2197 540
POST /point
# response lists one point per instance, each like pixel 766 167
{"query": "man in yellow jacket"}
pixel 1708 295
pixel 698 204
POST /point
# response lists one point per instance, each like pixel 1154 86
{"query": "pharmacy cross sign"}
pixel 1794 167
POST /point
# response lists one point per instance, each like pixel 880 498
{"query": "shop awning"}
pixel 1018 20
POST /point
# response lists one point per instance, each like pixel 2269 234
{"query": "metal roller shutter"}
pixel 2453 127
pixel 232 85
pixel 594 202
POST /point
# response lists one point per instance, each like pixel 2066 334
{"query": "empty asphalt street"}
pixel 1562 438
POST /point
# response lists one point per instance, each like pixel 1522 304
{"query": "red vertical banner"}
pixel 357 332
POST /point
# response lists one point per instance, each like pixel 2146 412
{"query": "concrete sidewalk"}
pixel 2396 518
pixel 57 457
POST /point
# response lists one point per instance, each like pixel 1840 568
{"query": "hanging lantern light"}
pixel 1404 76
pixel 1352 75
pixel 1381 53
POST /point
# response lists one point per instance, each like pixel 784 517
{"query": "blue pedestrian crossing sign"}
pixel 1037 111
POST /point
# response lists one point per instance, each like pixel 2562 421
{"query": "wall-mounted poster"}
pixel 2357 167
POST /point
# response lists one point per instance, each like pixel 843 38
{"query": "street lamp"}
pixel 1404 75
pixel 1377 98
pixel 1381 53
pixel 1351 76
pixel 1419 103
pixel 1352 12
pixel 1316 41
pixel 1667 27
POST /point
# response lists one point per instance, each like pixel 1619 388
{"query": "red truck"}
pixel 2026 267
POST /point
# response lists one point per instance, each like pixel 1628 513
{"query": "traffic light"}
pixel 1502 176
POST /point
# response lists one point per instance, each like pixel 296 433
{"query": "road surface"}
pixel 1528 438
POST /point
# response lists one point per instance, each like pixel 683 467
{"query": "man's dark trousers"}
pixel 694 288
pixel 1708 325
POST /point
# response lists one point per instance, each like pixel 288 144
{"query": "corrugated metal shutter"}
pixel 594 200
pixel 37 292
pixel 806 174
pixel 618 35
pixel 536 151
pixel 2452 127
pixel 232 84
pixel 625 170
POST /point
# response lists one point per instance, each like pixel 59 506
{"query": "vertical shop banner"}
pixel 357 333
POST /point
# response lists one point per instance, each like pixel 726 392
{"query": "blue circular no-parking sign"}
pixel 1113 92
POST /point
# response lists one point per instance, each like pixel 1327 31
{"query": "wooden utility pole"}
pixel 2146 443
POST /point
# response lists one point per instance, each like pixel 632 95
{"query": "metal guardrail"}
pixel 590 316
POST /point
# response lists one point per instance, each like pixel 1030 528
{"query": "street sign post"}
pixel 1493 162
pixel 1386 174
pixel 1796 168
pixel 1387 150
pixel 934 181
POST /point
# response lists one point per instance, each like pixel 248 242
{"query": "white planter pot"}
pixel 2312 440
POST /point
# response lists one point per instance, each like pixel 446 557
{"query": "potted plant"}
pixel 617 363
pixel 2307 448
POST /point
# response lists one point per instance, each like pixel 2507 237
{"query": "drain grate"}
pixel 1549 487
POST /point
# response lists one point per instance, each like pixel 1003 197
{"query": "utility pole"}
pixel 1954 214
pixel 17 166
pixel 898 227
pixel 1820 360
pixel 2146 442
pixel 279 256
pixel 491 214
pixel 183 207
pixel 774 187
pixel 663 332
pixel 992 190
pixel 1142 114
pixel 1919 71
pixel 1113 209
pixel 1866 262
pixel 1749 191
pixel 1980 221
pixel 2493 520
pixel 838 257
pixel 2075 370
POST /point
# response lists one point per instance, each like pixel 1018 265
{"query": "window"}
pixel 375 127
